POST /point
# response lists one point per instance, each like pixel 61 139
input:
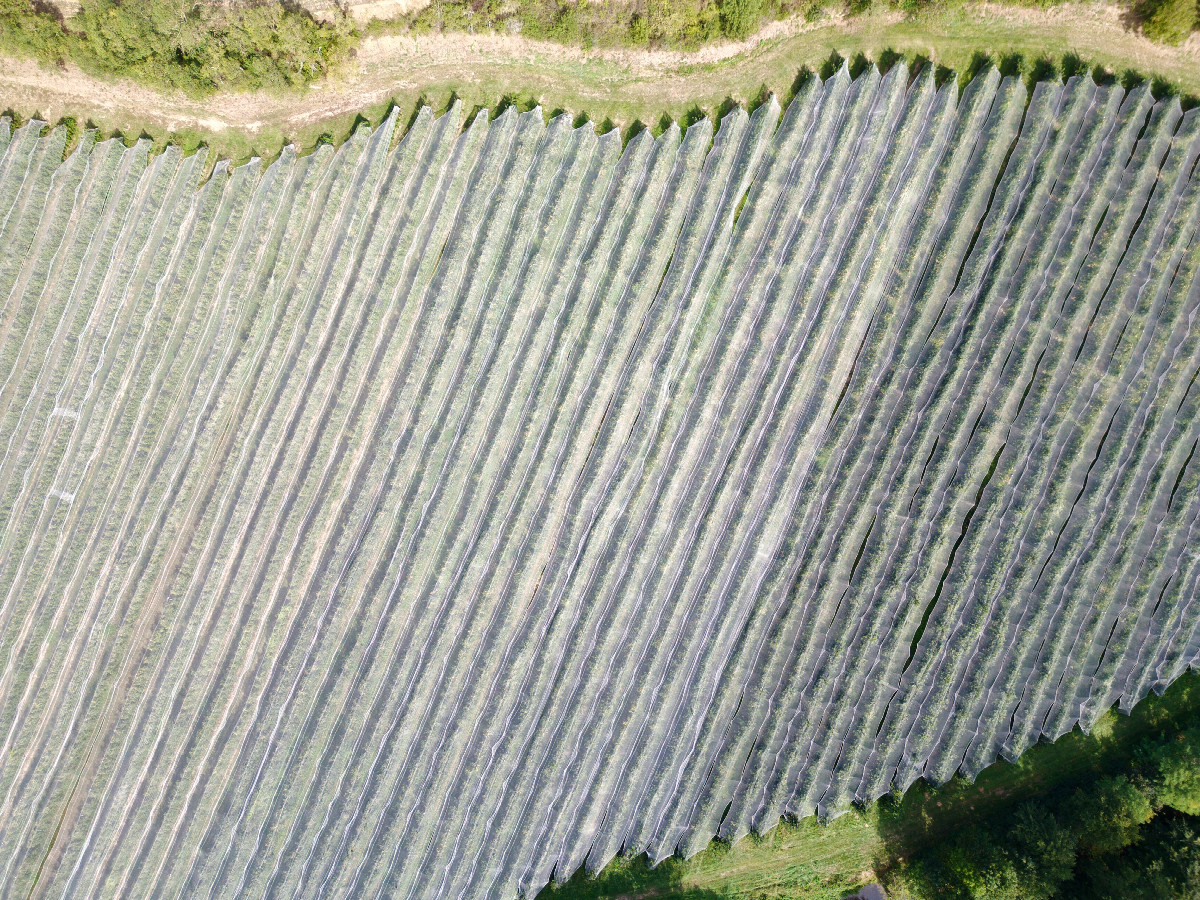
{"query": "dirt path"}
pixel 620 85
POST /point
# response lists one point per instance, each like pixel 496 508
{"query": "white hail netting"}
pixel 433 516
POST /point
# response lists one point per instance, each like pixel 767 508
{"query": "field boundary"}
pixel 615 88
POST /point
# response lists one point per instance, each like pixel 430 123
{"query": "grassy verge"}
pixel 807 860
pixel 628 90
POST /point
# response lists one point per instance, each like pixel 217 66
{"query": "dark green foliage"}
pixel 1170 21
pixel 71 124
pixel 1027 861
pixel 1163 865
pixel 197 47
pixel 1174 767
pixel 28 29
pixel 200 47
pixel 1122 836
pixel 740 18
pixel 1044 848
pixel 628 877
pixel 639 30
pixel 1108 814
pixel 971 865
pixel 559 22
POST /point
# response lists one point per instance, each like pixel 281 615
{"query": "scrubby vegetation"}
pixel 1130 835
pixel 27 29
pixel 1170 21
pixel 678 24
pixel 197 47
pixel 251 44
pixel 685 24
pixel 673 23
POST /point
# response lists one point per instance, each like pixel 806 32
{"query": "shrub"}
pixel 27 29
pixel 1171 21
pixel 1119 837
pixel 194 46
pixel 1108 814
pixel 1164 865
pixel 639 30
pixel 1045 848
pixel 1174 767
pixel 740 18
